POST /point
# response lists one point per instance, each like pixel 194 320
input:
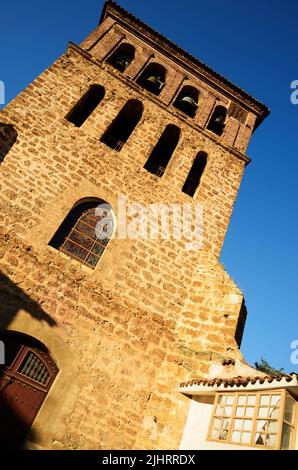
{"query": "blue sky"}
pixel 254 44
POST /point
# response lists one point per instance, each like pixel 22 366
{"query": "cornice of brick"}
pixel 186 60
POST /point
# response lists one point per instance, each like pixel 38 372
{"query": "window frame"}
pixel 75 230
pixel 70 225
pixel 280 420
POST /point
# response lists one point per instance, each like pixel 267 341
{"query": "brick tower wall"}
pixel 152 312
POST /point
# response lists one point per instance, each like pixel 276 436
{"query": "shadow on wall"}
pixel 8 137
pixel 19 400
pixel 13 299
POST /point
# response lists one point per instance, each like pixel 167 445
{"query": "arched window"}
pixel 217 120
pixel 86 105
pixel 195 174
pixel 25 380
pixel 187 100
pixel 122 57
pixel 163 150
pixel 153 78
pixel 85 232
pixel 123 125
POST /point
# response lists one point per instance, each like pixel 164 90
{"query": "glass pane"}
pixel 230 399
pixel 217 423
pixel 228 411
pixel 220 410
pixel 249 412
pixel 286 437
pixel 251 400
pixel 86 229
pixel 71 248
pixel 265 400
pixel 247 425
pixel 263 412
pixel 89 219
pixel 273 412
pixel 289 409
pixel 245 438
pixel 275 399
pixel 242 400
pixel 272 427
pixel 261 424
pixel 104 241
pixel 236 436
pixel 240 411
pixel 260 439
pixel 223 434
pixel 270 440
pixel 80 239
pixel 97 249
pixel 238 424
pixel 222 398
pixel 92 260
pixel 215 434
pixel 225 423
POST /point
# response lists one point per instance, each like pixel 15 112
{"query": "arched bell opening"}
pixel 153 78
pixel 218 120
pixel 122 57
pixel 187 100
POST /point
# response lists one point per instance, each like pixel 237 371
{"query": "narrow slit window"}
pixel 85 232
pixel 163 150
pixel 194 176
pixel 86 105
pixel 123 125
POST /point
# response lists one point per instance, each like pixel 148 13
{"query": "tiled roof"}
pixel 263 109
pixel 230 374
pixel 241 381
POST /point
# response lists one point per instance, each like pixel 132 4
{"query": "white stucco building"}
pixel 238 407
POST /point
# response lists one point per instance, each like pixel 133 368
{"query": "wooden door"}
pixel 25 381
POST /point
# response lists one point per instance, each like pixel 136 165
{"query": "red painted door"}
pixel 25 381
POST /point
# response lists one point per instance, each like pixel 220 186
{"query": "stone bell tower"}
pixel 119 320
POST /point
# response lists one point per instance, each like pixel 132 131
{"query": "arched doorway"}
pixel 25 380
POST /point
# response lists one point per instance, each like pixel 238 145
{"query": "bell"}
pixel 188 100
pixel 153 82
pixel 188 105
pixel 217 125
pixel 121 62
pixel 220 120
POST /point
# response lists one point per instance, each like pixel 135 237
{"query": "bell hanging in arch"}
pixel 153 83
pixel 121 62
pixel 188 105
